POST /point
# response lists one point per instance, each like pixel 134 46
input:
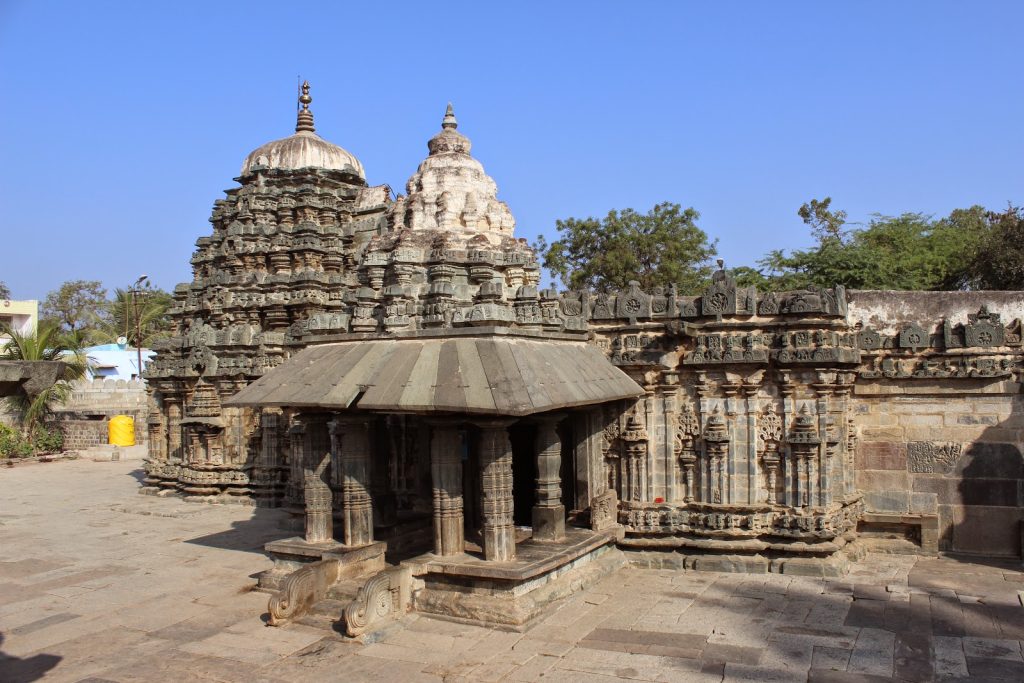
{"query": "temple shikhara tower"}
pixel 452 438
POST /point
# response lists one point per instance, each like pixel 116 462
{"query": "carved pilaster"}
pixel 446 475
pixel 687 431
pixel 499 539
pixel 634 463
pixel 750 407
pixel 769 435
pixel 716 442
pixel 548 511
pixel 174 453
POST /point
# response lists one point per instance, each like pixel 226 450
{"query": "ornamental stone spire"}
pixel 305 120
pixel 451 192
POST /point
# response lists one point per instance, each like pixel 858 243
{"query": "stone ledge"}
pixel 532 558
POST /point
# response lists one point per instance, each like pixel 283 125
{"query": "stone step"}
pixel 325 615
pixel 345 591
pixel 109 453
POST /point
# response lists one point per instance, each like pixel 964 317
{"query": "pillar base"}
pixel 549 523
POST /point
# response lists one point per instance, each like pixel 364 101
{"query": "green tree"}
pixel 76 305
pixel 662 247
pixel 47 344
pixel 998 261
pixel 910 251
pixel 5 292
pixel 150 308
pixel 825 224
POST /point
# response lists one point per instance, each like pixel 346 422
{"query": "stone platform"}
pixel 513 595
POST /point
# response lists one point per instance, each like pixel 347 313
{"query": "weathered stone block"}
pixel 946 489
pixel 880 455
pixel 895 433
pixel 988 530
pixel 887 501
pixel 970 419
pixel 986 460
pixel 883 480
pixel 924 503
pixel 988 492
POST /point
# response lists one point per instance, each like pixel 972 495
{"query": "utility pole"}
pixel 136 290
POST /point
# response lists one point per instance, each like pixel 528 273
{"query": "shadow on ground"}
pixel 24 670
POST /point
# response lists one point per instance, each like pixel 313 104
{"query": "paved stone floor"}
pixel 100 584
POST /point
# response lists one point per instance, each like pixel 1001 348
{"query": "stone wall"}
pixel 85 417
pixel 947 446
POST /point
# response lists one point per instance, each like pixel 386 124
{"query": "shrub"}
pixel 12 444
pixel 48 439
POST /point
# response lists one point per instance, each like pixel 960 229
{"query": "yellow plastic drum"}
pixel 121 431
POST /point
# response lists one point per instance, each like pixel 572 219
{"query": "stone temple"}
pixel 453 439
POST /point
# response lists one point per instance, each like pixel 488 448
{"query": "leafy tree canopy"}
pixel 662 247
pixel 998 261
pixel 76 306
pixel 910 251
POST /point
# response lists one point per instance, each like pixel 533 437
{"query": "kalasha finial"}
pixel 449 121
pixel 305 121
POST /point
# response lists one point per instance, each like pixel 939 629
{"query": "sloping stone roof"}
pixel 468 375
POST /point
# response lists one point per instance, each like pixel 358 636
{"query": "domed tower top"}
pixel 449 139
pixel 305 149
pixel 450 191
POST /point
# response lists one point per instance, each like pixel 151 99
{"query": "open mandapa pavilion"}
pixel 454 439
pixel 493 413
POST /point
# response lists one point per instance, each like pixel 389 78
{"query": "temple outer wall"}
pixel 949 447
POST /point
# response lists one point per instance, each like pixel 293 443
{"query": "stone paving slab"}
pixel 101 585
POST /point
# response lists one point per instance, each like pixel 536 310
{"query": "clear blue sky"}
pixel 121 123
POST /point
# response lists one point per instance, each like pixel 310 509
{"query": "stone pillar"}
pixel 317 459
pixel 499 535
pixel 591 479
pixel 446 475
pixel 351 435
pixel 548 511
pixel 385 502
pixel 297 450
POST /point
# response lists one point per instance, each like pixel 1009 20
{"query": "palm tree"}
pixel 149 309
pixel 46 344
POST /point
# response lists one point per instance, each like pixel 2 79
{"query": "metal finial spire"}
pixel 305 120
pixel 449 121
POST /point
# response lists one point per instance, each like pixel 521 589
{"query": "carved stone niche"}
pixel 913 336
pixel 720 298
pixel 869 339
pixel 633 303
pixel 983 329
